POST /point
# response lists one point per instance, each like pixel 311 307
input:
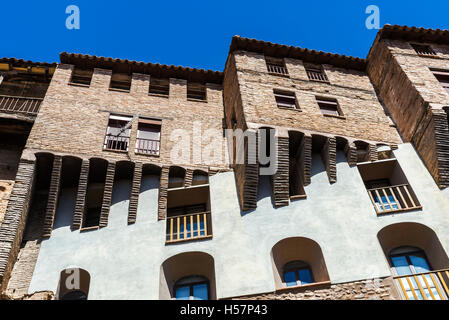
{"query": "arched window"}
pixel 409 260
pixel 297 273
pixel 192 288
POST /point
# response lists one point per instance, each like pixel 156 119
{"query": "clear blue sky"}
pixel 198 33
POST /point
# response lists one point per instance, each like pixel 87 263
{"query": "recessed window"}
pixel 316 73
pixel 118 133
pixel 297 273
pixel 196 91
pixel 82 77
pixel 424 50
pixel 285 99
pixel 443 77
pixel 329 107
pixel 148 137
pixel 192 288
pixel 120 82
pixel 276 66
pixel 159 86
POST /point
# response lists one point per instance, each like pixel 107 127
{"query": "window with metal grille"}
pixel 118 133
pixel 159 86
pixel 196 91
pixel 329 107
pixel 285 99
pixel 424 50
pixel 276 66
pixel 443 77
pixel 148 137
pixel 80 76
pixel 316 73
pixel 120 82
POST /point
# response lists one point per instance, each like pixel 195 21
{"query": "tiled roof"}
pixel 283 51
pixel 155 69
pixel 22 63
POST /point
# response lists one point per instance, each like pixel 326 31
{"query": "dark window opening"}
pixel 120 81
pixel 296 184
pixel 443 77
pixel 196 91
pixel 276 66
pixel 80 76
pixel 329 107
pixel 159 86
pixel 297 273
pixel 285 99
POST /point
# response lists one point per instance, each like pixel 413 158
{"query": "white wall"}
pixel 124 261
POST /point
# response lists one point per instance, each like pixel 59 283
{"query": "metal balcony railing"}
pixel 113 142
pixel 29 106
pixel 189 227
pixel 393 199
pixel 147 146
pixel 432 285
pixel 272 68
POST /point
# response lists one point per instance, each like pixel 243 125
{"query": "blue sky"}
pixel 198 33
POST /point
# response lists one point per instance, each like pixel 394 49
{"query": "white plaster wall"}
pixel 124 261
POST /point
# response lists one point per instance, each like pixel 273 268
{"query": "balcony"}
pixel 117 143
pixel 281 70
pixel 316 75
pixel 147 146
pixel 393 199
pixel 28 106
pixel 189 227
pixel 424 286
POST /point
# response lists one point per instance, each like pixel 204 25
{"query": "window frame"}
pixel 159 92
pixel 424 50
pixel 195 90
pixel 191 285
pixel 316 70
pixel 153 123
pixel 80 83
pixel 416 251
pixel 296 270
pixel 127 138
pixel 438 74
pixel 119 89
pixel 273 63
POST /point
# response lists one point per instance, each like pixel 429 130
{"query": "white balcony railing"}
pixel 29 106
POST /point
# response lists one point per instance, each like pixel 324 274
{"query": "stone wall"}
pixel 379 289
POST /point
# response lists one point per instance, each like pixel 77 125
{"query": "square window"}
pixel 285 99
pixel 276 66
pixel 443 77
pixel 120 82
pixel 316 73
pixel 118 133
pixel 424 50
pixel 81 76
pixel 329 107
pixel 159 86
pixel 148 137
pixel 196 91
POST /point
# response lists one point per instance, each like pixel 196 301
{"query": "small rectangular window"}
pixel 443 77
pixel 316 73
pixel 276 66
pixel 285 99
pixel 148 137
pixel 196 91
pixel 81 76
pixel 118 133
pixel 159 86
pixel 424 50
pixel 329 107
pixel 120 82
